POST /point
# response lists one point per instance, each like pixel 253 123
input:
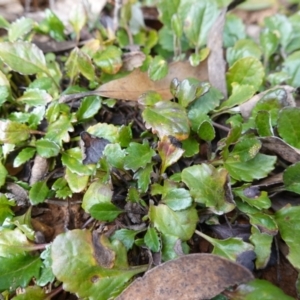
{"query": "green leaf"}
pixel 109 60
pixel 97 192
pixel 206 131
pixel 47 275
pixel 143 177
pixel 152 240
pixel 246 71
pixel 5 208
pixel 31 292
pixel 53 26
pixel 198 20
pixel 169 243
pixel 259 200
pixel 80 63
pixel 138 156
pixel 18 270
pixel 73 253
pixel 19 28
pixel 288 125
pixel 291 178
pixel 58 131
pixel 78 18
pixel 13 132
pixel 207 186
pixel 106 131
pixel 89 107
pixel 262 247
pixel 234 30
pixel 245 149
pixel 287 220
pixel 4 88
pixel 190 147
pixel 177 199
pixel 3 174
pixel 229 248
pixel 256 168
pixel 167 118
pixel 35 97
pixel 259 289
pixel 282 26
pixel 47 148
pixel 77 183
pixel 269 42
pixel 189 89
pixel 263 123
pixel 105 211
pixel 181 224
pixel 126 236
pixel 158 68
pixel 115 155
pixel 38 192
pixel 23 57
pixel 243 48
pixel 240 94
pixel 72 159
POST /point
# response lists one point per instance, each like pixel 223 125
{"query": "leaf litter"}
pixel 105 188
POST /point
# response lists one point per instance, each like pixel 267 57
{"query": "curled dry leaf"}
pixel 39 169
pixel 137 83
pixel 281 148
pixel 247 107
pixel 216 63
pixel 194 276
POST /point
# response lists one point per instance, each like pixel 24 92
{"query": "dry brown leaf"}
pixel 216 63
pixel 39 169
pixel 138 82
pixel 281 148
pixel 195 276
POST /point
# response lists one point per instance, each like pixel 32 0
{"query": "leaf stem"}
pixel 206 237
pixel 36 132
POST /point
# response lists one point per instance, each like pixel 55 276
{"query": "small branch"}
pixel 221 126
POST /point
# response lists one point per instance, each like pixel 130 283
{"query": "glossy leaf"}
pixel 177 223
pixel 3 174
pixel 105 211
pixel 19 28
pixel 143 177
pixel 243 48
pixel 38 192
pixel 35 97
pixel 46 148
pixel 109 60
pixel 115 155
pixel 197 21
pixel 177 199
pixel 269 42
pixel 25 155
pixel 5 208
pixel 152 240
pixel 138 156
pixel 126 236
pixel 73 253
pixel 288 126
pixel 287 220
pixel 253 197
pixel 23 57
pixel 77 183
pixel 158 68
pixel 13 132
pixel 230 248
pixel 248 71
pixel 167 118
pixel 207 186
pixel 234 30
pixel 245 149
pixel 291 178
pixel 256 168
pixel 97 192
pixel 89 107
pixel 259 289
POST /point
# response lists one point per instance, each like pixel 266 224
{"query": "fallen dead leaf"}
pixel 189 277
pixel 39 169
pixel 216 63
pixel 281 148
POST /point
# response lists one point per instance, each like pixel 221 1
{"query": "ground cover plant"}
pixel 126 145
